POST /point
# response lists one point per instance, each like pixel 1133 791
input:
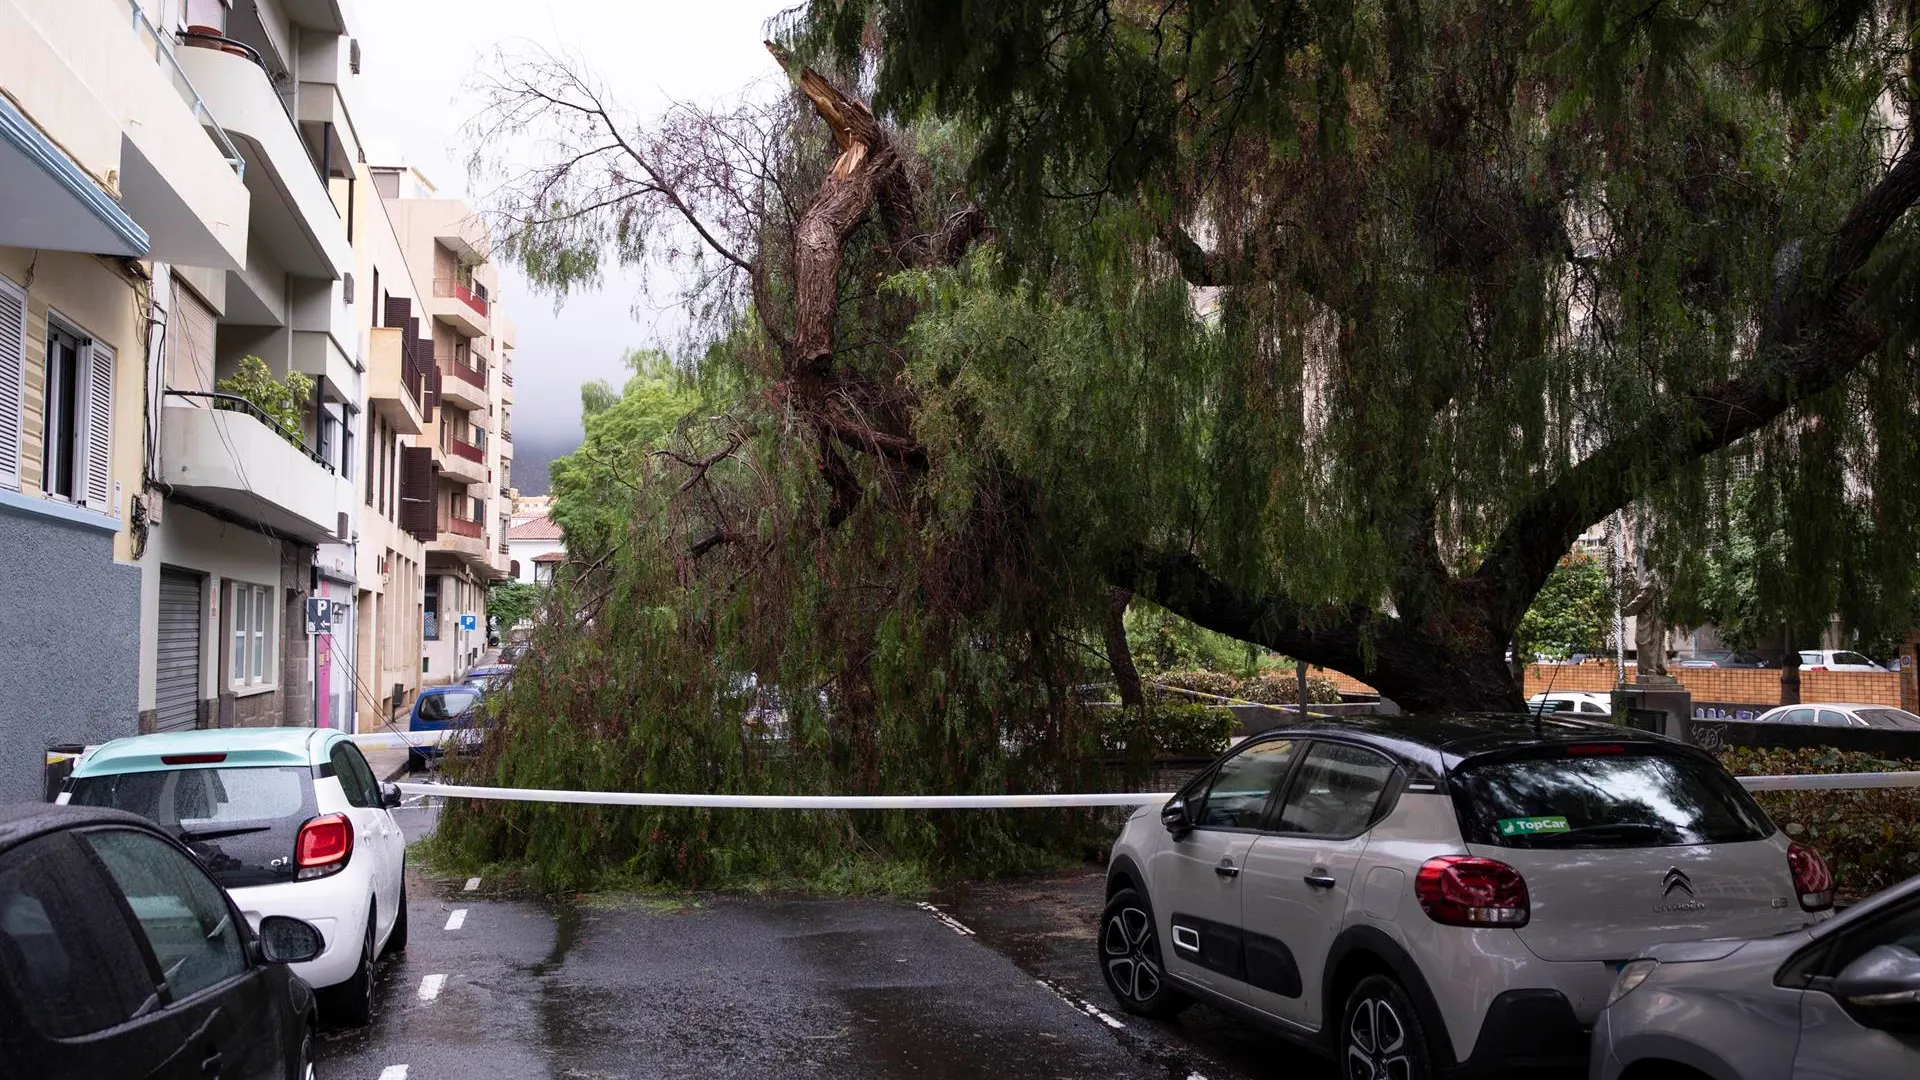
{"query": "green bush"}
pixel 287 401
pixel 1275 689
pixel 1170 728
pixel 1867 837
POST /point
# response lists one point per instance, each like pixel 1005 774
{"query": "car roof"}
pixel 243 747
pixel 22 822
pixel 1836 705
pixel 490 669
pixel 1444 741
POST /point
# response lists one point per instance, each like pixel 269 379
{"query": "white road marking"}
pixel 430 987
pixel 458 919
pixel 953 924
pixel 1082 1006
pixel 473 883
pixel 394 1072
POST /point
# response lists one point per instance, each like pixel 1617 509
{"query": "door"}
pixel 375 832
pixel 1195 890
pixel 227 1020
pixel 176 692
pixel 1838 1045
pixel 1299 877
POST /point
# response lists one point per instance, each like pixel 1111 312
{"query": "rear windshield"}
pixel 1889 718
pixel 242 823
pixel 1607 799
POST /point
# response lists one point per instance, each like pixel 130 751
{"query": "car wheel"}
pixel 352 1000
pixel 1380 1034
pixel 1130 958
pixel 303 1065
pixel 397 939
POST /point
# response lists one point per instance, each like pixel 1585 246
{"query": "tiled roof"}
pixel 540 528
pixel 550 556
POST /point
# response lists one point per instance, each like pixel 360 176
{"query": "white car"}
pixel 1573 702
pixel 1842 714
pixel 290 821
pixel 1835 660
pixel 1421 896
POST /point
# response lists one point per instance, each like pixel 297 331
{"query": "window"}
pixel 250 613
pixel 78 461
pixel 65 950
pixel 185 916
pixel 372 476
pixel 346 446
pixel 242 821
pixel 1895 926
pixel 1853 658
pixel 1236 797
pixel 13 380
pixel 453 705
pixel 1798 716
pixel 356 779
pixel 1600 796
pixel 431 617
pixel 1890 718
pixel 1832 718
pixel 1336 791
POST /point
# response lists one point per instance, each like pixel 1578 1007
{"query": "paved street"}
pixel 737 987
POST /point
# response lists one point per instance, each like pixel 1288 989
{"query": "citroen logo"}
pixel 1676 879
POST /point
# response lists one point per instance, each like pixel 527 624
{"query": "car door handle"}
pixel 210 1065
pixel 1320 881
pixel 1226 869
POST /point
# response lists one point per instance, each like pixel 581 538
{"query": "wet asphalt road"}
pixel 716 986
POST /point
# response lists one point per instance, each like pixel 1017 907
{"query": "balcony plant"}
pixel 284 401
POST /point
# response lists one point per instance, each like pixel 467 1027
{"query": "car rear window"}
pixel 1606 796
pixel 1889 718
pixel 241 822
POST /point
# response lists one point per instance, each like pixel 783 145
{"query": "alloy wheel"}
pixel 1377 1042
pixel 1133 967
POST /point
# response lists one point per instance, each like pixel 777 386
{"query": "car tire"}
pixel 1129 951
pixel 352 1001
pixel 397 938
pixel 303 1064
pixel 1381 1035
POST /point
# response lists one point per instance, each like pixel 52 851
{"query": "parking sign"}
pixel 469 623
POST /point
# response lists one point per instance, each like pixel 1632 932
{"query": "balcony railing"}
pixel 466 450
pixel 163 55
pixel 460 526
pixel 217 399
pixel 460 291
pixel 471 374
pixel 506 434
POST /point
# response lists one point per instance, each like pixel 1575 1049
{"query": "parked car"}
pixel 511 653
pixel 120 956
pixel 1724 660
pixel 290 821
pixel 488 678
pixel 1576 702
pixel 1837 714
pixel 1841 998
pixel 455 709
pixel 1835 660
pixel 1416 896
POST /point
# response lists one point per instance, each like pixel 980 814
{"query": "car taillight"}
pixel 324 846
pixel 1811 878
pixel 1814 667
pixel 192 759
pixel 1461 890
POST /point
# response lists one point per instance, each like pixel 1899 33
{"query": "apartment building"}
pixel 458 473
pixel 111 165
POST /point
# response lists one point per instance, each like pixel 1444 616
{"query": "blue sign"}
pixel 469 623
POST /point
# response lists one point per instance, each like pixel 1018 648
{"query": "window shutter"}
pixel 419 491
pixel 398 308
pixel 13 377
pixel 97 450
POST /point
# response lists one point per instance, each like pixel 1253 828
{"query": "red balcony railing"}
pixel 471 374
pixel 466 450
pixel 461 292
pixel 460 526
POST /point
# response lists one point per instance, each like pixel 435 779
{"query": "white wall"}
pixel 193 541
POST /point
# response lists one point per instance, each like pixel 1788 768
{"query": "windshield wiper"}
pixel 1617 830
pixel 220 834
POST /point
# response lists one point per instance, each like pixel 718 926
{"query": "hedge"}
pixel 1868 837
pixel 1174 729
pixel 1278 689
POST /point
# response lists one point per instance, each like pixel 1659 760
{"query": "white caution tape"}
pixel 396 740
pixel 1832 781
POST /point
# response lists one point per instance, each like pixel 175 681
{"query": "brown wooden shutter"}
pixel 431 399
pixel 398 308
pixel 419 492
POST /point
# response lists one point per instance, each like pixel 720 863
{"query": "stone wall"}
pixel 1750 686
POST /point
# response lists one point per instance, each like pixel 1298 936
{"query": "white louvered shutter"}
pixel 97 451
pixel 13 377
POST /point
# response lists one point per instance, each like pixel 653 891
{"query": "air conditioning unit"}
pixel 346 288
pixel 343 528
pixel 353 55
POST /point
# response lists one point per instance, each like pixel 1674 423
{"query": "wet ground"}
pixel 991 980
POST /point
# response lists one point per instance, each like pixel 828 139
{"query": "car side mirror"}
pixel 287 940
pixel 390 795
pixel 1174 817
pixel 1881 988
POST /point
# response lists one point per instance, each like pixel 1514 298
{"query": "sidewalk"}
pixel 388 763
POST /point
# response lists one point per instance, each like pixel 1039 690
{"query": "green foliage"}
pixel 594 487
pixel 1867 837
pixel 287 401
pixel 1163 641
pixel 1573 614
pixel 513 602
pixel 1171 728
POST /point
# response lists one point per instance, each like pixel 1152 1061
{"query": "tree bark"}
pixel 1119 653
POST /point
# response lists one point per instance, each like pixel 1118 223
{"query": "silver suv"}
pixel 1422 896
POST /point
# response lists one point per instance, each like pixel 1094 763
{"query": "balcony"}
pixel 462 462
pixel 462 537
pixel 218 449
pixel 463 383
pixel 394 380
pixel 293 218
pixel 455 302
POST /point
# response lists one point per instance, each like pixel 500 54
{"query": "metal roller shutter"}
pixel 176 704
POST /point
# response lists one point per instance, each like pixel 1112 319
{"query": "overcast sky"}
pixel 414 99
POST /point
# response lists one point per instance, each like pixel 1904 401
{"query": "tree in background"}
pixel 513 603
pixel 594 487
pixel 1572 614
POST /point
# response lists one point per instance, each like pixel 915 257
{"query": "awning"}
pixel 51 203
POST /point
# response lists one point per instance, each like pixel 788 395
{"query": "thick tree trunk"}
pixel 1119 653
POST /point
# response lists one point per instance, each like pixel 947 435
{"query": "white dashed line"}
pixel 458 919
pixel 473 883
pixel 1082 1006
pixel 394 1072
pixel 430 987
pixel 953 924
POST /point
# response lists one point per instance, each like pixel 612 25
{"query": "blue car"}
pixel 444 708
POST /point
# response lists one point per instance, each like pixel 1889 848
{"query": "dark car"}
pixel 120 956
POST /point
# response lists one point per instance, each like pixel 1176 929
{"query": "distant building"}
pixel 534 548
